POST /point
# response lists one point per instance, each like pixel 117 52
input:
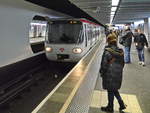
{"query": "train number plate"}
pixel 62 56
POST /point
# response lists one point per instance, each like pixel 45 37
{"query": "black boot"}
pixel 107 109
pixel 122 105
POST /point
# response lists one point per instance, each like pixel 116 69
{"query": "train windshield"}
pixel 65 33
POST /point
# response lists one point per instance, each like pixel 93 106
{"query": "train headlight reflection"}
pixel 77 50
pixel 48 49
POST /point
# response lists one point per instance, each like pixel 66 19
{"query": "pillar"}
pixel 147 28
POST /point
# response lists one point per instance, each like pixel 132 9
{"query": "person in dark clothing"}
pixel 127 41
pixel 107 32
pixel 111 72
pixel 140 41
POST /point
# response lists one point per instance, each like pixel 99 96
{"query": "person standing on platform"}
pixel 111 70
pixel 111 33
pixel 107 32
pixel 127 41
pixel 140 41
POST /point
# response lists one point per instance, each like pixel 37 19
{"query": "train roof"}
pixel 80 20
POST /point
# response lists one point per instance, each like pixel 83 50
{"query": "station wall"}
pixel 15 18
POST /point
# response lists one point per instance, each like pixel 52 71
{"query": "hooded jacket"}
pixel 112 67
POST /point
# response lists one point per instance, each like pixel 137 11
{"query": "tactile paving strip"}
pixel 83 97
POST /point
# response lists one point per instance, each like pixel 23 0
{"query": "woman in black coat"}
pixel 140 41
pixel 111 72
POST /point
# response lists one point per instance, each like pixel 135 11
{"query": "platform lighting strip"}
pixel 38 24
pixel 113 9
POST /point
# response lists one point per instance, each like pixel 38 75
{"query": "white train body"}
pixel 70 39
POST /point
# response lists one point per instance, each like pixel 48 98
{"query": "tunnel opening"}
pixel 37 33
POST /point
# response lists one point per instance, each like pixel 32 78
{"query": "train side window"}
pixel 81 35
pixel 37 34
pixel 89 32
pixel 85 32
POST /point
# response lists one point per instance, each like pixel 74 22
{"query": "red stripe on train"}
pixel 86 21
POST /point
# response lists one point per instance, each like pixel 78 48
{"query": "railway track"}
pixel 32 87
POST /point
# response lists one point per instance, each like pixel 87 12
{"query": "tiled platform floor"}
pixel 135 87
pixel 100 99
pixel 135 90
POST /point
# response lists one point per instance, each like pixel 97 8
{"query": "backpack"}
pixel 117 60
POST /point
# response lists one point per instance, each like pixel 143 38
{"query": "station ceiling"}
pixel 66 7
pixel 127 11
pixel 99 10
pixel 132 10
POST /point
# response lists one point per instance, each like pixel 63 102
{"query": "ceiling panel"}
pixel 65 7
pixel 99 9
pixel 127 11
pixel 132 10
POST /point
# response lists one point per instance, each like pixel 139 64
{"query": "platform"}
pixel 81 92
pixel 134 90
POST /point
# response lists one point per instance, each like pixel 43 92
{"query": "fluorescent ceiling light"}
pixel 112 13
pixel 38 24
pixel 139 22
pixel 119 25
pixel 115 2
pixel 111 20
pixel 113 9
pixel 111 16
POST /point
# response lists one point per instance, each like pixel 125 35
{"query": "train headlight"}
pixel 136 44
pixel 77 50
pixel 48 49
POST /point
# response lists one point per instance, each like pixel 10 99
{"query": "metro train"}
pixel 68 40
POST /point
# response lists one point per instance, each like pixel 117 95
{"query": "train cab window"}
pixel 37 33
pixel 64 33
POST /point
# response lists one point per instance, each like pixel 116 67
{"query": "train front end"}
pixel 64 41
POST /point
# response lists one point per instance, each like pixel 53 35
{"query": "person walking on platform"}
pixel 140 41
pixel 111 70
pixel 127 41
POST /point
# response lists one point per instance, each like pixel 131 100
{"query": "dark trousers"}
pixel 127 57
pixel 111 95
pixel 141 54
